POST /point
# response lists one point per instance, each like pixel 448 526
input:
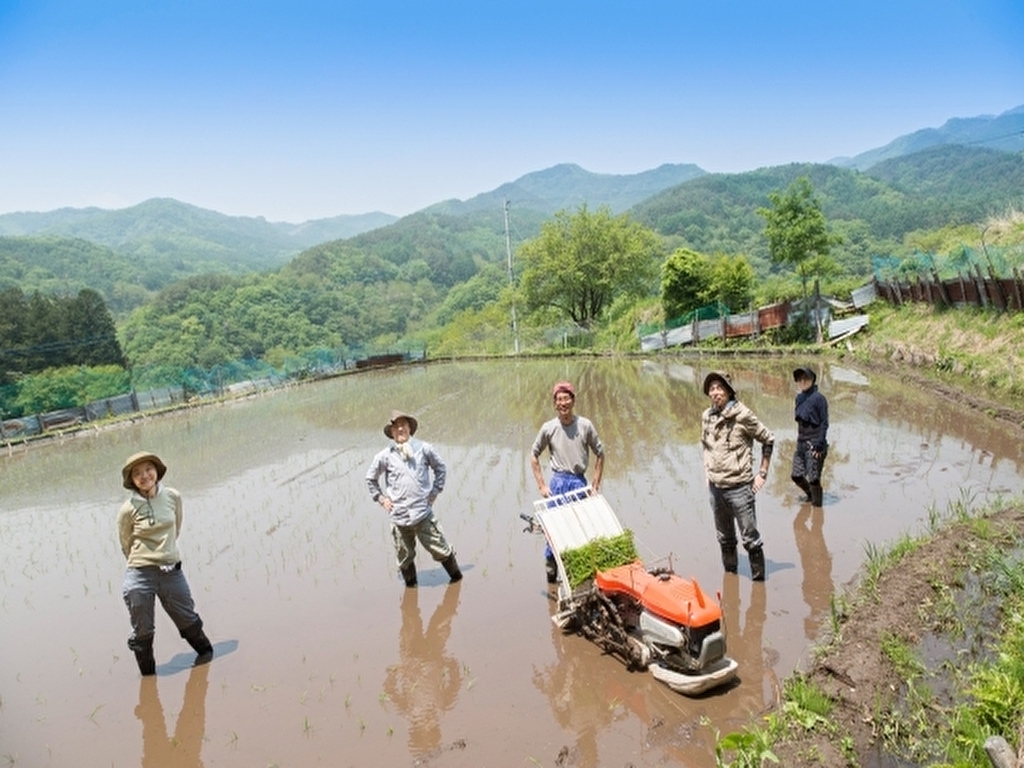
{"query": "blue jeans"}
pixel 563 482
pixel 142 586
pixel 734 508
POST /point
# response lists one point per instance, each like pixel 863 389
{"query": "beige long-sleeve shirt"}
pixel 727 437
pixel 148 528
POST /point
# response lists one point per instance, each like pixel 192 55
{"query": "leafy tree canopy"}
pixel 796 230
pixel 581 262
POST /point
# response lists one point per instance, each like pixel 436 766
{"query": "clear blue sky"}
pixel 308 109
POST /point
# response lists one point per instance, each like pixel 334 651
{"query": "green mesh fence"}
pixel 707 312
pixel 1001 261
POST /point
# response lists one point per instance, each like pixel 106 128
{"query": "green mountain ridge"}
pixel 1004 132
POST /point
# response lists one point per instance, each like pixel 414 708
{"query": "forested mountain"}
pixel 872 210
pixel 567 187
pixel 61 266
pixel 162 231
pixel 209 289
pixel 1004 132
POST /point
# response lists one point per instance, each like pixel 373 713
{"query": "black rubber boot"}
pixel 817 492
pixel 143 649
pixel 551 569
pixel 804 486
pixel 452 567
pixel 200 643
pixel 409 575
pixel 757 570
pixel 730 560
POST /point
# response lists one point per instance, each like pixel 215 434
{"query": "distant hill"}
pixel 874 210
pixel 567 187
pixel 161 231
pixel 1003 132
pixel 63 266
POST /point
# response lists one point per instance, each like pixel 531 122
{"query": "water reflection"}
pixel 759 685
pixel 426 682
pixel 815 565
pixel 281 525
pixel 182 749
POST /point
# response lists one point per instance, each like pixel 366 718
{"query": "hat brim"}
pixel 136 459
pixel 711 378
pixel 413 425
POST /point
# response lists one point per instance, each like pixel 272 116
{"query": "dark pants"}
pixel 142 587
pixel 807 469
pixel 734 508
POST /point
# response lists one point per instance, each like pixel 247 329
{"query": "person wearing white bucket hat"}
pixel 399 479
pixel 148 525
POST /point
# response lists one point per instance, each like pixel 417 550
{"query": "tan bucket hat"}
pixel 721 378
pixel 138 458
pixel 395 416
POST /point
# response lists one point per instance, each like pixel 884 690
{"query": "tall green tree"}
pixel 685 280
pixel 796 231
pixel 582 262
pixel 732 282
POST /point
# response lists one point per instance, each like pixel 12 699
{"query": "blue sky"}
pixel 307 109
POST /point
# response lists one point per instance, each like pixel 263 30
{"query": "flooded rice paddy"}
pixel 324 658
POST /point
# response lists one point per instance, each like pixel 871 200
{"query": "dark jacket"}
pixel 812 418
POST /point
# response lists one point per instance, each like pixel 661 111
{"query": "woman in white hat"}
pixel 148 525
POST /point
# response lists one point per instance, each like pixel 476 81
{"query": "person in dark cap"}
pixel 569 439
pixel 148 525
pixel 811 415
pixel 728 431
pixel 406 478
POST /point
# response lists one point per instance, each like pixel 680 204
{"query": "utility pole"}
pixel 511 279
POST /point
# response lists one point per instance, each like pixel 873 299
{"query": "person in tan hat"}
pixel 728 432
pixel 148 525
pixel 406 478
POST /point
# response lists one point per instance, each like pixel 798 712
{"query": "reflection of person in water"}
pixel 758 684
pixel 578 703
pixel 183 749
pixel 425 682
pixel 816 564
pixel 588 691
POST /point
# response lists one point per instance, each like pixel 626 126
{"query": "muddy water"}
pixel 323 658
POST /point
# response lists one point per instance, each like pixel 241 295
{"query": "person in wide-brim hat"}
pixel 148 524
pixel 405 479
pixel 395 416
pixel 729 430
pixel 137 458
pixel 721 378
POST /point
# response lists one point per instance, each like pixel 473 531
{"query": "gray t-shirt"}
pixel 568 444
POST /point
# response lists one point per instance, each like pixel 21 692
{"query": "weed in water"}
pixel 902 657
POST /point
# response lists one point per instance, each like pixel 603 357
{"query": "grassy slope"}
pixel 977 351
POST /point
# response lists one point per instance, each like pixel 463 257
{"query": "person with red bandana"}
pixel 570 439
